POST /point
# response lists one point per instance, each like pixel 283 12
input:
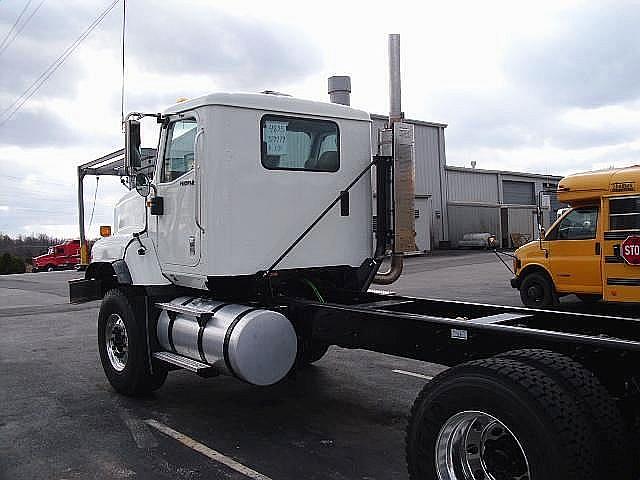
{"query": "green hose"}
pixel 315 290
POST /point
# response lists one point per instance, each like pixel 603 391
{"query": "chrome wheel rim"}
pixel 474 445
pixel 117 342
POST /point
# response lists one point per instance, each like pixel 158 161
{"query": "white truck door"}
pixel 178 234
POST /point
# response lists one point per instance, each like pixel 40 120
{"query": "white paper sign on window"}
pixel 275 134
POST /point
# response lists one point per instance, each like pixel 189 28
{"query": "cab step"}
pixel 186 363
pixel 185 310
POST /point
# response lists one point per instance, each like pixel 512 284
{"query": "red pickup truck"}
pixel 58 257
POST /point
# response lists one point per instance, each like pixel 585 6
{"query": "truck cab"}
pixel 589 251
pixel 238 177
pixel 65 255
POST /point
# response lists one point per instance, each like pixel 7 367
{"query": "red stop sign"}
pixel 630 250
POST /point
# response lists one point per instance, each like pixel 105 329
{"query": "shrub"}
pixel 11 264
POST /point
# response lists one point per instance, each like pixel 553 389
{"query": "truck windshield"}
pixel 290 143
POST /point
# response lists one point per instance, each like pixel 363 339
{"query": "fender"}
pixel 121 259
pixel 531 267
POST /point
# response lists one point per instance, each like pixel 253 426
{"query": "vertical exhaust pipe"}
pixel 395 89
pixel 403 171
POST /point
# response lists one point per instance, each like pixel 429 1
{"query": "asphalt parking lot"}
pixel 343 418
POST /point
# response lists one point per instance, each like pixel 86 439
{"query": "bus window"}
pixel 624 213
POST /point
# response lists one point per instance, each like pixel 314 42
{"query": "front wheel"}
pixel 122 347
pixel 536 291
pixel 498 419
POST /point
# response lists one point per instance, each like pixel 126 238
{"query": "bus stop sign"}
pixel 630 250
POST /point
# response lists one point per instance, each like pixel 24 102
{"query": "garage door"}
pixel 518 193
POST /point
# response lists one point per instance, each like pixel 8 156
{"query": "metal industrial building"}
pixel 452 201
pixel 498 202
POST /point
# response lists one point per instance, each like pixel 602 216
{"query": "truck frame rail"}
pixel 452 332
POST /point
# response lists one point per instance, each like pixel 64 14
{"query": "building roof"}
pixel 377 116
pixel 272 103
pixel 504 172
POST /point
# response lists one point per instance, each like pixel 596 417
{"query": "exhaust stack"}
pixel 395 89
pixel 403 172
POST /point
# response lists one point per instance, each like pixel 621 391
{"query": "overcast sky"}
pixel 547 87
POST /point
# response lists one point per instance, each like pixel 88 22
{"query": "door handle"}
pixel 597 248
pixel 196 178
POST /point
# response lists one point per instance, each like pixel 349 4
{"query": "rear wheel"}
pixel 122 347
pixel 310 351
pixel 594 400
pixel 498 419
pixel 536 291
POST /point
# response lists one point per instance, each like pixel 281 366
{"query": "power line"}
pixel 15 24
pixel 11 110
pixel 35 10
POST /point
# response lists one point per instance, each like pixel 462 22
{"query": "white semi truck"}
pixel 248 252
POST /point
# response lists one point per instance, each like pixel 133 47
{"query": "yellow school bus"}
pixel 593 249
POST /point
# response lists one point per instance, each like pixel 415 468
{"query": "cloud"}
pixel 593 59
pixel 29 128
pixel 546 88
pixel 235 52
pixel 51 30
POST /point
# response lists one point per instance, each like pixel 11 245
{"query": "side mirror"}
pixel 132 152
pixel 143 187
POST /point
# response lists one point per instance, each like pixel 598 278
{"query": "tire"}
pixel 50 268
pixel 315 352
pixel 596 403
pixel 588 298
pixel 542 433
pixel 309 352
pixel 124 359
pixel 536 291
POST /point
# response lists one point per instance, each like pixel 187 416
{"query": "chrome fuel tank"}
pixel 256 345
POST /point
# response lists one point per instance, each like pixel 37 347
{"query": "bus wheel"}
pixel 589 298
pixel 498 418
pixel 536 291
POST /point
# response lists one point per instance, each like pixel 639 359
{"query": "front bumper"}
pixel 84 290
pixel 515 283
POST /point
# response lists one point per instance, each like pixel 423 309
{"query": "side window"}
pixel 624 213
pixel 290 143
pixel 179 151
pixel 579 224
pixel 329 145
